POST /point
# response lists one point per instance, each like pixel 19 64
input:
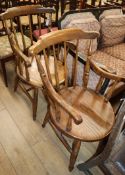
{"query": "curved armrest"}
pixel 18 51
pixel 105 68
pixel 104 71
pixel 74 113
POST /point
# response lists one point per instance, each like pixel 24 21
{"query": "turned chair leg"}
pixel 75 150
pixel 16 83
pixel 4 72
pixel 46 119
pixel 35 102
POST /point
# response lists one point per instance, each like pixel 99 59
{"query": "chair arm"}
pixel 74 113
pixel 104 71
pixel 17 51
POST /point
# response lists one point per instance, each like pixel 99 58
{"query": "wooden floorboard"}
pixel 6 167
pixel 25 147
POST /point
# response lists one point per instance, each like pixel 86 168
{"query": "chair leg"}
pixel 46 119
pixel 75 150
pixel 35 102
pixel 4 72
pixel 16 83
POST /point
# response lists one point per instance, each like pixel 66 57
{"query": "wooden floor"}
pixel 25 147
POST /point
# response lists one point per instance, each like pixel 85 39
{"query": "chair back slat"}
pixel 86 74
pixel 56 67
pixel 110 90
pixel 99 84
pixel 65 65
pixel 22 33
pixel 46 58
pixel 75 65
pixel 39 23
pixel 31 28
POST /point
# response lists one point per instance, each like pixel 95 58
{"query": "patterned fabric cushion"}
pixel 8 24
pixel 110 12
pixel 25 20
pixel 112 30
pixel 74 16
pixel 36 33
pixel 33 70
pixel 5 48
pixel 118 51
pixel 90 24
pixel 112 63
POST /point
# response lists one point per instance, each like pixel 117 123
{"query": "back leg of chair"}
pixel 16 83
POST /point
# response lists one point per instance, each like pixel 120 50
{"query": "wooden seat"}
pixel 91 127
pixel 77 112
pixel 26 69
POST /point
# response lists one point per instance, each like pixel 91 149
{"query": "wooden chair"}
pixel 78 112
pixel 26 69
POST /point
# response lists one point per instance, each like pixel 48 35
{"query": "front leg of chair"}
pixel 75 150
pixel 46 119
pixel 35 102
pixel 16 83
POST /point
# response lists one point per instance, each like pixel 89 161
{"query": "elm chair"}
pixel 26 69
pixel 78 112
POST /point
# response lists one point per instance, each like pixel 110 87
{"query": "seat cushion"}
pixel 5 48
pixel 8 24
pixel 75 16
pixel 37 34
pixel 117 65
pixel 112 30
pixel 110 12
pixel 98 116
pixel 34 75
pixel 117 51
pixel 89 24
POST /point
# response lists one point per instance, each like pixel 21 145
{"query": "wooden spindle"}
pixel 56 68
pixel 75 65
pixel 22 35
pixel 46 57
pixel 99 84
pixel 30 27
pixel 39 24
pixel 110 90
pixel 65 65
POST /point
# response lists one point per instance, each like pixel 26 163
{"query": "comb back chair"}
pixel 26 69
pixel 75 111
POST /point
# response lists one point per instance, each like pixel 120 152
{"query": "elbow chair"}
pixel 26 69
pixel 74 111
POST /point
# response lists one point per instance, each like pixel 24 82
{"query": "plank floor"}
pixel 25 147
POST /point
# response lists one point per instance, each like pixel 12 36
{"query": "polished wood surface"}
pixel 74 111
